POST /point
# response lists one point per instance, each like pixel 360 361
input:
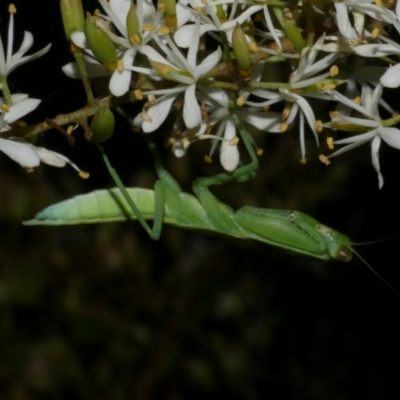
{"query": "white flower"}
pixel 30 156
pixel 377 132
pixel 391 78
pixel 26 154
pixel 127 50
pixel 184 71
pixel 22 105
pixel 349 37
pixel 19 152
pixel 216 105
pixel 9 61
pixel 301 78
pixel 368 7
pixel 117 11
pixel 210 22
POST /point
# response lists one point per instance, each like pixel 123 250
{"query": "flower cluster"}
pixel 15 106
pixel 190 60
pixel 187 57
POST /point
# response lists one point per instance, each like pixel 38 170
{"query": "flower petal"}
pixel 183 36
pixel 391 78
pixel 375 50
pixel 79 39
pixel 93 68
pixel 20 153
pixel 191 108
pixel 207 64
pixel 120 80
pixel 158 112
pixel 20 109
pixel 52 158
pixel 264 121
pixel 391 136
pixel 376 142
pixel 229 157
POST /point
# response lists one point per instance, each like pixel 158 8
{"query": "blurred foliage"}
pixel 93 312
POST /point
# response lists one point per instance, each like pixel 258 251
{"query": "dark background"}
pixel 91 312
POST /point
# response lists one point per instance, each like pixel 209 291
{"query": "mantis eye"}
pixel 343 253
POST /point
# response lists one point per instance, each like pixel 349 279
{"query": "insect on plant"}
pixel 292 231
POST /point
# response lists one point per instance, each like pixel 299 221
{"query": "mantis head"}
pixel 341 252
pixel 339 245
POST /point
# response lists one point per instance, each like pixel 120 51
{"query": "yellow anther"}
pixel 12 9
pixel 287 13
pixel 170 142
pixel 135 38
pixel 138 94
pixel 198 9
pixel 375 33
pixel 266 108
pixel 234 141
pixel 163 30
pixel 135 128
pixel 162 7
pixel 84 174
pixel 70 129
pixel 163 69
pixel 303 161
pixel 329 142
pixel 283 127
pixel 259 151
pixel 329 86
pixel 253 47
pixel 334 70
pixel 324 160
pixel 29 170
pixel 318 126
pixel 379 3
pixel 4 107
pixel 148 28
pixel 240 101
pixel 357 100
pixel 208 159
pixel 334 114
pixel 185 143
pixel 120 65
pixel 152 99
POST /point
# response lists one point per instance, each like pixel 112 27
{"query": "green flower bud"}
pixel 242 51
pixel 72 16
pixel 221 13
pixel 102 125
pixel 132 25
pixel 100 43
pixel 291 30
pixel 170 14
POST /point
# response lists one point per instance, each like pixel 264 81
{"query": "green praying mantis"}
pixel 292 231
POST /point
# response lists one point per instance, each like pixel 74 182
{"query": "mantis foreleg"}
pixel 200 185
